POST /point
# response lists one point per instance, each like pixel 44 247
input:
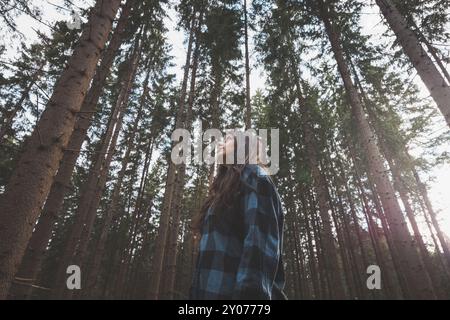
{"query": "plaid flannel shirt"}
pixel 240 250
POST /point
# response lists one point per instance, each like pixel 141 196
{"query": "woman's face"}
pixel 225 147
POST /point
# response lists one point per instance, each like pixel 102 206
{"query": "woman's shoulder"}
pixel 255 169
pixel 254 175
pixel 256 179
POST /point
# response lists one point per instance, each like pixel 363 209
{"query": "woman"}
pixel 241 230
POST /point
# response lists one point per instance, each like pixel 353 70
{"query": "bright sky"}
pixel 371 25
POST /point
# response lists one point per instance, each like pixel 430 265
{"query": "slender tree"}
pixel 248 110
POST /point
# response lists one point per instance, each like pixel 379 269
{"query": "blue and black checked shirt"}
pixel 240 250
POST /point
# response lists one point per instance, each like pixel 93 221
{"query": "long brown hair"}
pixel 226 185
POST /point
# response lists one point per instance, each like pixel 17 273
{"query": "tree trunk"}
pixel 31 263
pixel 379 213
pixel 215 107
pixel 95 197
pixel 438 60
pixel 435 242
pixel 248 110
pixel 91 186
pixel 137 217
pixel 171 258
pixel 111 212
pixel 32 178
pixel 324 276
pixel 401 189
pixel 409 259
pixel 160 247
pixel 330 251
pixel 311 254
pixel 354 259
pixel 294 259
pixel 429 268
pixel 432 213
pixel 373 233
pixel 331 259
pixel 300 261
pixel 342 180
pixel 430 75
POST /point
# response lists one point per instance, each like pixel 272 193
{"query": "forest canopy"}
pixel 91 92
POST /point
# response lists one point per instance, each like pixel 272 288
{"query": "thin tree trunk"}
pixel 300 263
pixel 430 269
pixel 82 211
pixel 354 259
pixel 248 110
pixel 343 253
pixel 171 258
pixel 136 288
pixel 400 187
pixel 377 203
pixel 215 107
pixel 31 180
pixel 430 75
pixel 94 268
pixel 435 242
pixel 324 276
pixel 373 231
pixel 298 260
pixel 347 193
pixel 111 212
pixel 438 60
pixel 432 213
pixel 95 197
pixel 331 260
pixel 431 49
pixel 91 185
pixel 387 232
pixel 311 255
pixel 160 247
pixel 293 251
pixel 137 217
pixel 192 241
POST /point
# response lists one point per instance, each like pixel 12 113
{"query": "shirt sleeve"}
pixel 260 255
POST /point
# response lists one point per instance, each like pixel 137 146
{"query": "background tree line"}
pixel 85 172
